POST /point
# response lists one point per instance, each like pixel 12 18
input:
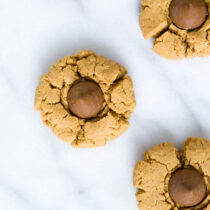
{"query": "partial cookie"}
pixel 181 28
pixel 85 99
pixel 196 152
pixel 169 180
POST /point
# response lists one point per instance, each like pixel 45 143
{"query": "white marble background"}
pixel 39 172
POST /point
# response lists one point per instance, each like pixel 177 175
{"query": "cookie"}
pixel 181 28
pixel 85 99
pixel 169 179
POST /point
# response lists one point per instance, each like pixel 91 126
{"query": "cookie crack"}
pixel 143 7
pixel 79 133
pixel 156 161
pixel 184 39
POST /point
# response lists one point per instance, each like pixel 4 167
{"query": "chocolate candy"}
pixel 85 99
pixel 188 14
pixel 187 187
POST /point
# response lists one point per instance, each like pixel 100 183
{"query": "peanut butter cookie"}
pixel 85 99
pixel 181 28
pixel 169 180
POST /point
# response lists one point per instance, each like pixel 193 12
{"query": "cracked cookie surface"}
pixel 151 177
pixel 110 123
pixel 170 41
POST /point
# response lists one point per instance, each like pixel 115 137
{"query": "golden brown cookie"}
pixel 172 42
pixel 156 177
pixel 52 99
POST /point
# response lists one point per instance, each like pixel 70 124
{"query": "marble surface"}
pixel 39 172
